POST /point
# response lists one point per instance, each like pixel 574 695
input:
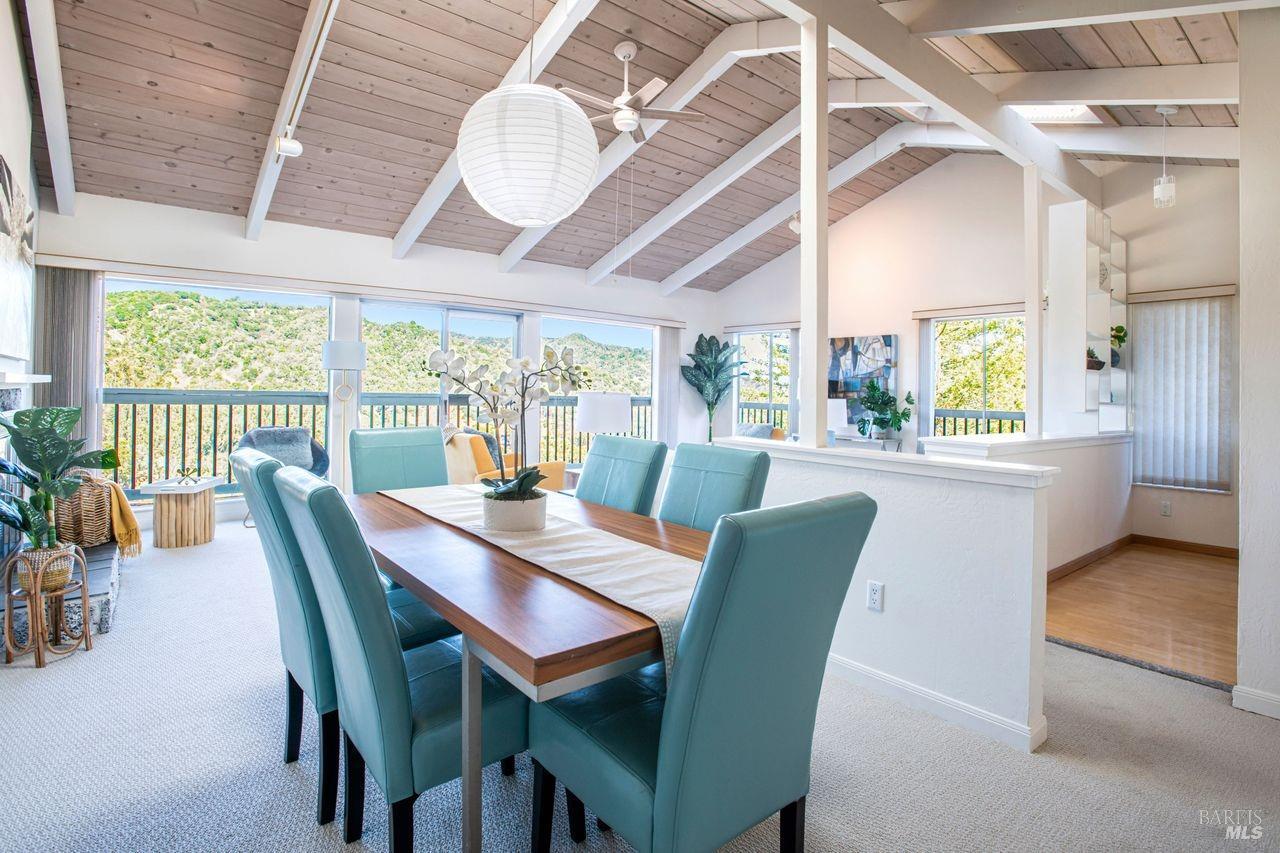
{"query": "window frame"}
pixel 928 361
pixel 737 382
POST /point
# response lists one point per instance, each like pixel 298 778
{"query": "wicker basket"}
pixel 57 564
pixel 84 519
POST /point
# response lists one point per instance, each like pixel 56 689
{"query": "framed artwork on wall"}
pixel 17 266
pixel 856 360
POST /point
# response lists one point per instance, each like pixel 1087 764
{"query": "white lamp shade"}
pixel 602 411
pixel 837 414
pixel 343 355
pixel 528 154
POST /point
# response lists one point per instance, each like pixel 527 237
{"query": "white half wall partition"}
pixel 960 546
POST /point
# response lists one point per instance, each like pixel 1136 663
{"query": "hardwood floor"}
pixel 1158 605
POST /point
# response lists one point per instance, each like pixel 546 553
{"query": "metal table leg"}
pixel 471 716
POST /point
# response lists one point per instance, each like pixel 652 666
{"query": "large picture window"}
pixel 979 375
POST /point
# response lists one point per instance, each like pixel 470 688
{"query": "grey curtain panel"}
pixel 68 343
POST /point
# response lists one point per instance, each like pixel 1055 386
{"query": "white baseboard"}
pixel 229 508
pixel 1257 701
pixel 1021 737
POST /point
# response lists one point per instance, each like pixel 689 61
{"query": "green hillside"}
pixel 191 340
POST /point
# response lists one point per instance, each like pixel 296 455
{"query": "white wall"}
pixel 15 129
pixel 143 238
pixel 1193 244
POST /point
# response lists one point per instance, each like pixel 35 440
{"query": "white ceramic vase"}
pixel 515 516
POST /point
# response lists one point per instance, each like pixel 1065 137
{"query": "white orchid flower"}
pixel 437 361
pixel 567 357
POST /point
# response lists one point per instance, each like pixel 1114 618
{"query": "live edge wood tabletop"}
pixel 543 626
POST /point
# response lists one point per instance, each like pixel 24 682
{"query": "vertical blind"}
pixel 1184 392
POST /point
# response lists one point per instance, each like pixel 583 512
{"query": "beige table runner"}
pixel 646 579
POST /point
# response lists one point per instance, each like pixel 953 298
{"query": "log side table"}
pixel 183 512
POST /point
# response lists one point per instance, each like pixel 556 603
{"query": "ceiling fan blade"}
pixel 672 115
pixel 604 118
pixel 590 99
pixel 647 93
pixel 638 136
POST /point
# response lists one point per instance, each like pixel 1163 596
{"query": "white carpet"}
pixel 167 736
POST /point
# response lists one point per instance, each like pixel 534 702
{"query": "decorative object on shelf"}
pixel 1104 275
pixel 188 476
pixel 505 401
pixel 603 412
pixel 516 505
pixel 882 415
pixel 838 414
pixel 1165 190
pixel 17 266
pixel 1119 335
pixel 44 582
pixel 527 153
pixel 715 366
pixel 1091 361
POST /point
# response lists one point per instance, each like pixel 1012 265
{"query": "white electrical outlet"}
pixel 1166 509
pixel 875 596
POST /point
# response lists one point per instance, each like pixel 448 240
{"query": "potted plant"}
pixel 885 416
pixel 1091 360
pixel 714 368
pixel 47 459
pixel 1119 335
pixel 504 401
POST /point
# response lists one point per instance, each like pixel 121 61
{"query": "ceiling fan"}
pixel 626 110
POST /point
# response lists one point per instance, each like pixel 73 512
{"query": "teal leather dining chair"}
pixel 400 710
pixel 303 643
pixel 397 459
pixel 706 482
pixel 688 762
pixel 622 473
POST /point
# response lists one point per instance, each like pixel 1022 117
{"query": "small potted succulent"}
pixel 1091 360
pixel 47 459
pixel 1119 335
pixel 883 415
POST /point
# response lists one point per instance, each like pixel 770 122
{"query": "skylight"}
pixel 1057 114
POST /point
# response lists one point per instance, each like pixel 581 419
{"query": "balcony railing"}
pixel 975 421
pixel 159 433
pixel 561 439
pixel 777 414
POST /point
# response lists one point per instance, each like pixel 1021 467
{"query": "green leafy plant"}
pixel 1119 336
pixel 715 366
pixel 884 410
pixel 521 487
pixel 47 457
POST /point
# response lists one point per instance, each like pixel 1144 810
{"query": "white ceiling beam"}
pixel 751 38
pixel 547 40
pixel 862 30
pixel 1211 83
pixel 937 18
pixel 306 57
pixel 1206 143
pixel 53 102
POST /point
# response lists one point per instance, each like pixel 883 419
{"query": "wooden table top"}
pixel 545 627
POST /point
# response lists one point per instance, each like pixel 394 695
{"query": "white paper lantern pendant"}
pixel 528 154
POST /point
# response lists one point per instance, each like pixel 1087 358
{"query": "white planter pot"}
pixel 515 516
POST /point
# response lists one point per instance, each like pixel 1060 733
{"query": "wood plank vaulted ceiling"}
pixel 172 101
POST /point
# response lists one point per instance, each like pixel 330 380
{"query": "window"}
pixel 1184 392
pixel 764 393
pixel 617 358
pixel 397 388
pixel 979 374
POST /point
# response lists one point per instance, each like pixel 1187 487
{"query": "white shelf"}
pixel 14 380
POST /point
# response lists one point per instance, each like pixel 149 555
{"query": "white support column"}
pixel 344 325
pixel 813 231
pixel 1033 293
pixel 530 344
pixel 793 384
pixel 1258 659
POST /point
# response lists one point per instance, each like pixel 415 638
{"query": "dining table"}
pixel 543 633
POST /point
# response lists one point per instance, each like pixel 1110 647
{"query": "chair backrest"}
pixel 742 697
pixel 373 687
pixel 290 445
pixel 397 459
pixel 622 473
pixel 303 642
pixel 706 482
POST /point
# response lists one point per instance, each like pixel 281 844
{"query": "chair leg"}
pixel 577 817
pixel 509 766
pixel 544 803
pixel 792 816
pixel 401 826
pixel 327 801
pixel 602 826
pixel 293 718
pixel 353 793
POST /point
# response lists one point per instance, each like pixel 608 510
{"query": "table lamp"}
pixel 603 411
pixel 838 415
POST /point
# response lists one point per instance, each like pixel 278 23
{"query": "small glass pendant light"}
pixel 1165 191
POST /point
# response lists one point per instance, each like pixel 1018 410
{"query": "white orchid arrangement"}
pixel 504 400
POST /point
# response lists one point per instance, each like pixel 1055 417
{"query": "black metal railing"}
pixel 976 421
pixel 562 440
pixel 160 432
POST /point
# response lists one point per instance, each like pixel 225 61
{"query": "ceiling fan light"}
pixel 527 154
pixel 625 119
pixel 794 224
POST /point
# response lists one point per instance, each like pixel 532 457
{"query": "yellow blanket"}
pixel 123 523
